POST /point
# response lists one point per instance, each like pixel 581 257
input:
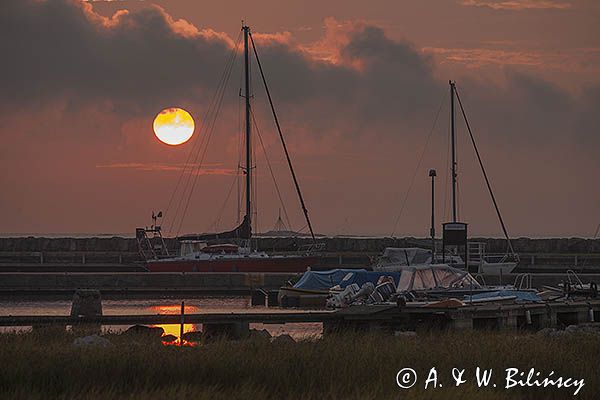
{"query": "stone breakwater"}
pixel 372 245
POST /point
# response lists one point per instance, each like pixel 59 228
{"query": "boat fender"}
pixel 594 289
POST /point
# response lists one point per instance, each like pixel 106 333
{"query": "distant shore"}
pixel 285 243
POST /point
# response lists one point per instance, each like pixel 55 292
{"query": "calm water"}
pixel 163 306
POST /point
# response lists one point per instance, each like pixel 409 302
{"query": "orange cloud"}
pixel 197 169
pixel 517 5
pixel 277 37
pixel 572 60
pixel 180 26
pixel 335 38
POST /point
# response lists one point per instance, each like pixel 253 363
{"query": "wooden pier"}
pixel 124 285
pixel 530 316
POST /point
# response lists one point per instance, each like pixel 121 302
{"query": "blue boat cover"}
pixel 323 280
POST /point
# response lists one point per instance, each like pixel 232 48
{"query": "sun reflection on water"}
pixel 173 329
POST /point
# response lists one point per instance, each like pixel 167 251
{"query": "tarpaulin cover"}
pixel 323 280
pixel 363 276
pixel 435 276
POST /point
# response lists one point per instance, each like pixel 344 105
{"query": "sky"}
pixel 361 91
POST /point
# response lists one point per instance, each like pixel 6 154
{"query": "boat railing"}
pixel 476 251
pixel 523 281
pixel 150 242
pixel 480 278
pixel 478 255
pixel 312 248
pixel 573 279
pixel 496 258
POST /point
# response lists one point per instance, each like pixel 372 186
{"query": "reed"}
pixel 344 366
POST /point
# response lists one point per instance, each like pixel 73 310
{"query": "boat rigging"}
pixel 227 257
pixel 455 232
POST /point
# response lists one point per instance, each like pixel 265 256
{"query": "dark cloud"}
pixel 61 48
pixel 587 127
pixel 75 74
pixel 144 60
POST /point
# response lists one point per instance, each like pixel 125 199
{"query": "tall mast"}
pixel 248 168
pixel 452 89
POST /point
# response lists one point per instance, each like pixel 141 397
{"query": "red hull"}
pixel 271 264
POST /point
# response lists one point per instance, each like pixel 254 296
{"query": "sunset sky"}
pixel 357 84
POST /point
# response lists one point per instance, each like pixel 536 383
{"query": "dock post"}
pixel 181 323
pixel 266 299
pixel 86 306
pixel 551 317
pixel 508 321
pixel 582 316
pixel 462 323
pixel 461 320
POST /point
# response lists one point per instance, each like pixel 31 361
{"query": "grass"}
pixel 348 366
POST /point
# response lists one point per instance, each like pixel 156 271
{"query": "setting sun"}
pixel 173 126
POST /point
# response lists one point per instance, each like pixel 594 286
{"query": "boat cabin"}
pixel 191 246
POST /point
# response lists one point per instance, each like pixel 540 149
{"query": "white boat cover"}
pixel 435 276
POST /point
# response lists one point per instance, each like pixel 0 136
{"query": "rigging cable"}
pixel 416 169
pixel 456 164
pixel 255 183
pixel 487 181
pixel 254 176
pixel 447 169
pixel 285 214
pixel 222 209
pixel 287 155
pixel 197 145
pixel 591 245
pixel 212 124
pixel 239 149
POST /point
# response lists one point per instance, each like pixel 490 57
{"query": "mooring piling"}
pixel 181 323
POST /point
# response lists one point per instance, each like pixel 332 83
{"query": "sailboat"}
pixel 475 258
pixel 212 252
